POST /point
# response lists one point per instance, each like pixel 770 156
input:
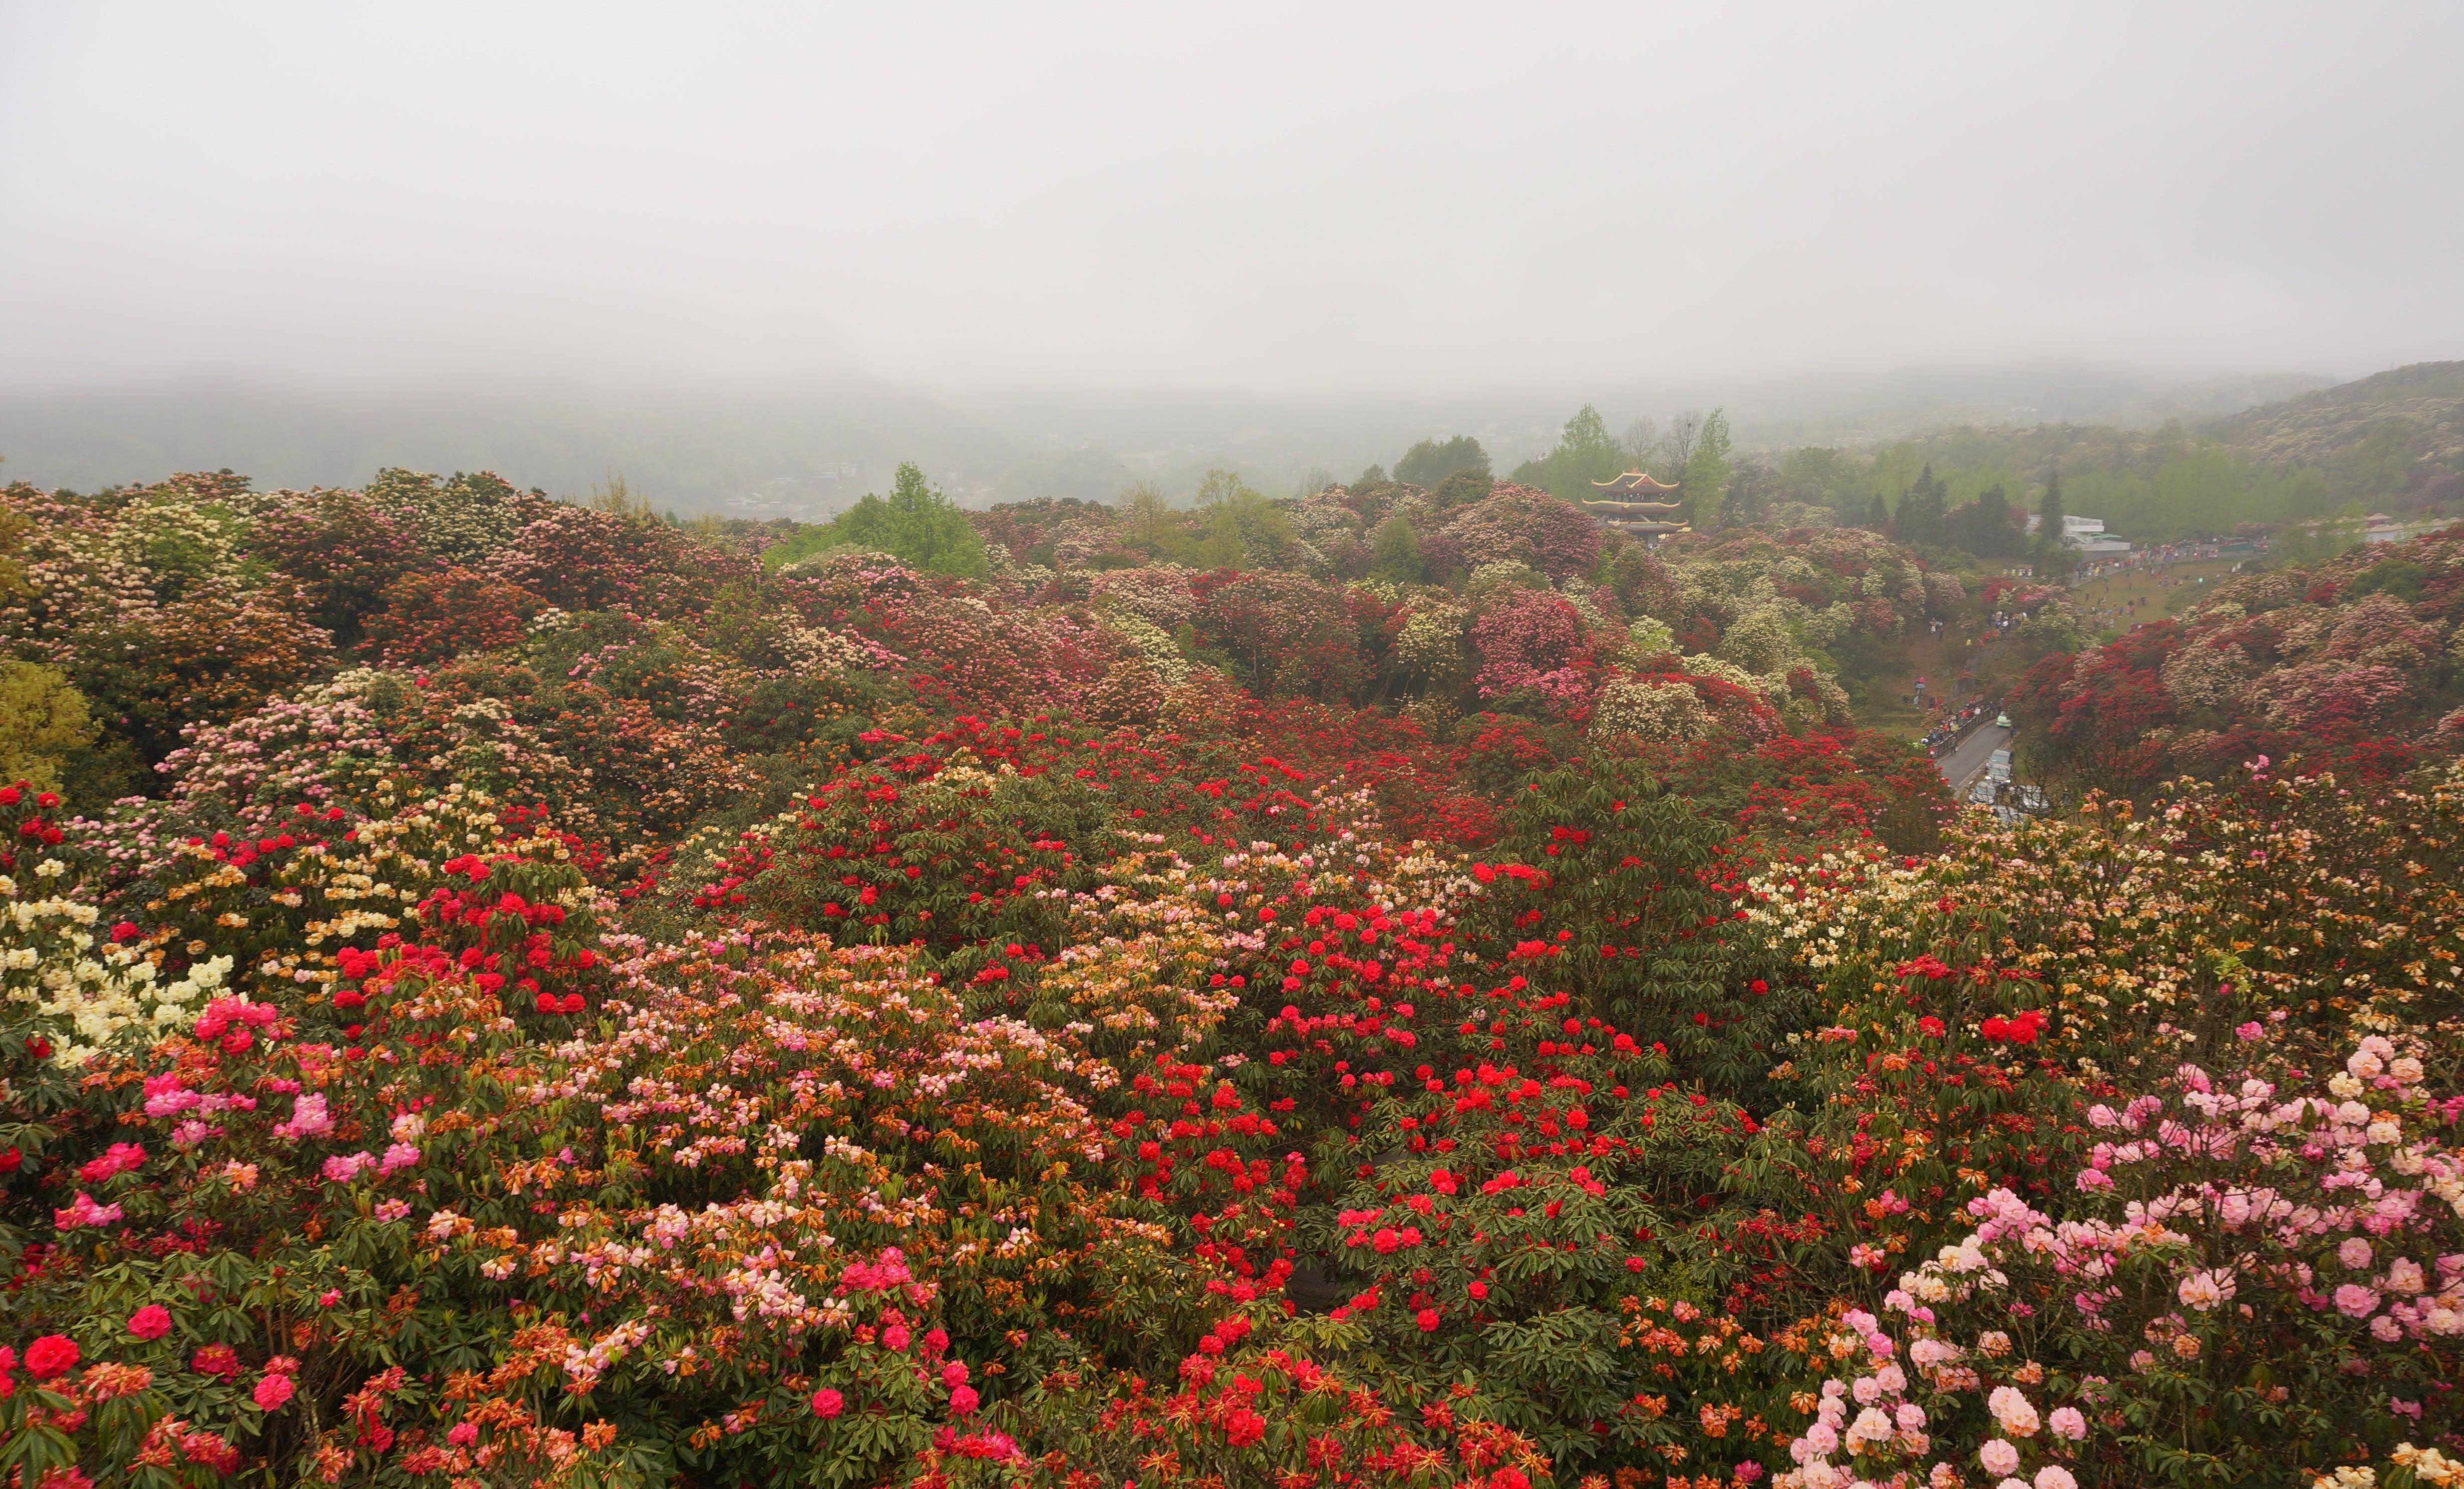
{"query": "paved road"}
pixel 1964 763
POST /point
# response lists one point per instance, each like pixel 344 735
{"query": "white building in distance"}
pixel 2088 535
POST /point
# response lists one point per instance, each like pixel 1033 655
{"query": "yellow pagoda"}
pixel 1628 505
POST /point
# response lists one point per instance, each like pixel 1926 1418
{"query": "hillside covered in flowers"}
pixel 1394 988
pixel 2356 660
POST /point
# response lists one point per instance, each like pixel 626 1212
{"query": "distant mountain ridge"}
pixel 2313 428
pixel 809 450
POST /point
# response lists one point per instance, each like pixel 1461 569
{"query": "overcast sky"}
pixel 1288 198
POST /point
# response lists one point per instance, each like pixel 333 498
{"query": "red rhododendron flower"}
pixel 217 1360
pixel 51 1356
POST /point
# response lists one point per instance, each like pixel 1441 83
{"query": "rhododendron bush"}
pixel 2351 663
pixel 553 1001
pixel 2256 1273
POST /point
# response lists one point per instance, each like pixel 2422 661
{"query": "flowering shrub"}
pixel 1669 712
pixel 1524 524
pixel 2253 1276
pixel 457 519
pixel 341 550
pixel 657 1019
pixel 1531 640
pixel 435 616
pixel 2342 666
pixel 581 560
pixel 1286 635
pixel 1161 595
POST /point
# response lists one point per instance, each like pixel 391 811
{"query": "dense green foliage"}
pixel 1431 460
pixel 1586 454
pixel 914 524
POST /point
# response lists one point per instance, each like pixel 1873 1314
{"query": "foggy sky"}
pixel 1288 198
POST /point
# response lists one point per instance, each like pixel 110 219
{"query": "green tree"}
pixel 1431 460
pixel 13 529
pixel 915 523
pixel 1924 510
pixel 1147 516
pixel 1705 487
pixel 1586 454
pixel 1821 478
pixel 1461 490
pixel 1394 552
pixel 2377 466
pixel 1375 475
pixel 1749 493
pixel 1677 443
pixel 2053 556
pixel 1988 527
pixel 2319 539
pixel 43 724
pixel 618 499
pixel 1243 527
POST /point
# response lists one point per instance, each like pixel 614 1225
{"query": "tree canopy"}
pixel 1706 482
pixel 915 522
pixel 1586 452
pixel 1431 460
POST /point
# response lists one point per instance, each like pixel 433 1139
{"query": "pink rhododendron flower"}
pixel 309 1117
pixel 83 1210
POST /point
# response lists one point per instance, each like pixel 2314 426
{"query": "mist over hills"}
pixel 806 450
pixel 2427 397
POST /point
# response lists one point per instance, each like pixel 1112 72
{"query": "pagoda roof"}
pixel 1632 509
pixel 1631 483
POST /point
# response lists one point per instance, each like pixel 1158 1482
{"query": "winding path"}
pixel 1966 759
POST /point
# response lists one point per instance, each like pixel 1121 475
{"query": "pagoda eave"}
pixel 1634 483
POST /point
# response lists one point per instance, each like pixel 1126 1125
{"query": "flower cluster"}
pixel 1414 990
pixel 2346 666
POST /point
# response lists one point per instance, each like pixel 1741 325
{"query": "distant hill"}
pixel 802 451
pixel 806 450
pixel 2316 427
pixel 1918 403
pixel 1087 473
